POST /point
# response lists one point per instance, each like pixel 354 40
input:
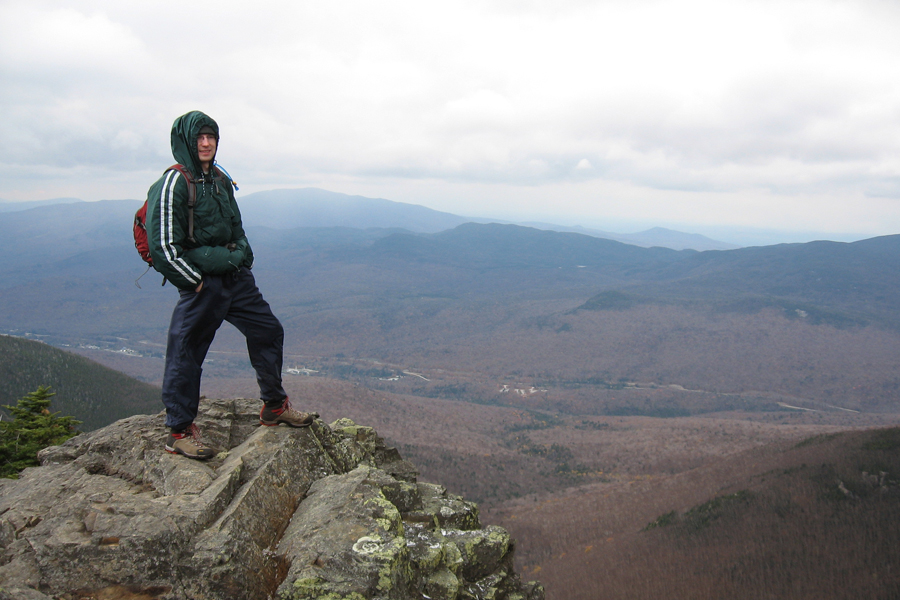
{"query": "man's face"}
pixel 206 148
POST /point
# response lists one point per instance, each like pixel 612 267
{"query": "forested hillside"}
pixel 807 520
pixel 93 394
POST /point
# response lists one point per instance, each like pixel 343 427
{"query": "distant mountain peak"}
pixel 11 206
pixel 314 207
pixel 655 236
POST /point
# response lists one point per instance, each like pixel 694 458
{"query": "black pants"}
pixel 195 320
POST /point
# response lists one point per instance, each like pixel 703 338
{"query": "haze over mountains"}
pixel 312 207
pixel 6 206
pixel 425 287
pixel 490 298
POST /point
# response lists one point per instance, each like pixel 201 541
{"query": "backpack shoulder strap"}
pixel 192 195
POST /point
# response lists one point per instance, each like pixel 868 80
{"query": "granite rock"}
pixel 319 512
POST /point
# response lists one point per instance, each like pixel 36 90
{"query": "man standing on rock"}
pixel 203 251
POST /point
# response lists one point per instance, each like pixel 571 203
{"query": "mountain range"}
pixel 814 320
pixel 312 207
pixel 7 206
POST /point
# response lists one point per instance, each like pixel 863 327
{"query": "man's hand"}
pixel 199 287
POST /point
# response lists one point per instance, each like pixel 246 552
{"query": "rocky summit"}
pixel 325 512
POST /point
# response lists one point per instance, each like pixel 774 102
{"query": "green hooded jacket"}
pixel 217 219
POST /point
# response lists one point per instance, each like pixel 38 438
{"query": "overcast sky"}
pixel 696 115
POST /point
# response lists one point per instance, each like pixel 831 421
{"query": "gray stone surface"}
pixel 320 512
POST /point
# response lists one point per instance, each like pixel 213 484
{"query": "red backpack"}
pixel 140 220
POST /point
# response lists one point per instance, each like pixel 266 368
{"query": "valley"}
pixel 574 484
pixel 578 389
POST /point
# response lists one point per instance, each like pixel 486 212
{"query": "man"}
pixel 206 255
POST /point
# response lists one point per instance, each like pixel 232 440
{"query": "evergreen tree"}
pixel 32 429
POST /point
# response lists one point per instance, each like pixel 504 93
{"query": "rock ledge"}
pixel 322 512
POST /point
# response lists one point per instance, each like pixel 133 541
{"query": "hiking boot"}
pixel 285 414
pixel 187 443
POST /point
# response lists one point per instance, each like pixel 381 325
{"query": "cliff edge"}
pixel 325 512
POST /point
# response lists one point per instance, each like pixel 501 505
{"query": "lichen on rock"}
pixel 321 512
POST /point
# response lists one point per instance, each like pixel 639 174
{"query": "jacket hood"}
pixel 184 139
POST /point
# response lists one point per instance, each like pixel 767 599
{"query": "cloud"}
pixel 62 39
pixel 63 74
pixel 797 100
